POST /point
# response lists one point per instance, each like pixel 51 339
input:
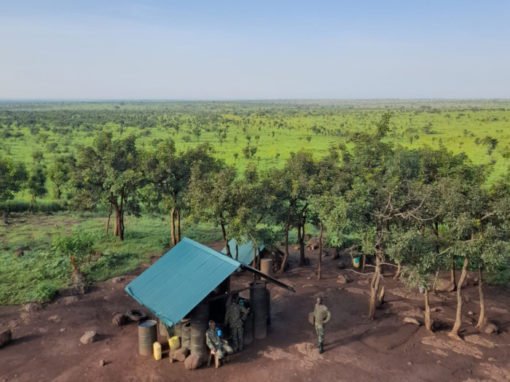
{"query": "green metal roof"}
pixel 245 254
pixel 180 279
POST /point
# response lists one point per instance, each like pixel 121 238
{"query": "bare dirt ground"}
pixel 46 344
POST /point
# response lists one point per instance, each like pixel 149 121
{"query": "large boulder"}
pixel 5 337
pixel 179 354
pixel 193 361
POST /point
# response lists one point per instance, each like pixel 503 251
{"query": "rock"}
pixel 490 328
pixel 32 307
pixel 88 337
pixel 102 363
pixel 21 251
pixel 363 282
pixel 411 320
pixel 410 363
pixel 491 359
pixel 70 300
pixel 192 362
pixel 445 286
pixel 179 354
pixel 5 337
pixel 118 280
pixel 120 319
pixel 62 330
pixel 343 279
pixel 436 309
pixel 43 330
pixel 470 313
pixel 54 318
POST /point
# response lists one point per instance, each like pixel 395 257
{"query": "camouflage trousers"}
pixel 237 338
pixel 320 333
pixel 224 350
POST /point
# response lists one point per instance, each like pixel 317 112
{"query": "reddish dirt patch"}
pixel 46 343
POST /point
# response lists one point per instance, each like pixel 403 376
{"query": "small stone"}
pixel 69 300
pixel 411 320
pixel 118 280
pixel 436 309
pixel 470 313
pixel 343 279
pixel 62 330
pixel 410 363
pixel 363 282
pixel 491 359
pixel 32 307
pixel 43 330
pixel 102 363
pixel 54 318
pixel 88 337
pixel 490 328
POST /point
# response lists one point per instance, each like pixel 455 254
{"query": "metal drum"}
pixel 266 266
pixel 147 335
pixel 258 298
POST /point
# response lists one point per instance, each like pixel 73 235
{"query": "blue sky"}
pixel 254 49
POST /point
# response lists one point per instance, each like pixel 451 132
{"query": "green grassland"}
pixel 275 129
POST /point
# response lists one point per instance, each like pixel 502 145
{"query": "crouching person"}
pixel 218 347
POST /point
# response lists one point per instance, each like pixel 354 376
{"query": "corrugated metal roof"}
pixel 245 254
pixel 179 280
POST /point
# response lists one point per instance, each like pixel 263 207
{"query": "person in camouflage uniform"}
pixel 217 346
pixel 235 316
pixel 321 317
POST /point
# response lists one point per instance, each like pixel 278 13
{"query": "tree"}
pixel 59 172
pixel 12 177
pixel 37 183
pixel 108 172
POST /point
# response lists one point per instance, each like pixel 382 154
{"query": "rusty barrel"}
pixel 147 335
pixel 266 266
pixel 258 302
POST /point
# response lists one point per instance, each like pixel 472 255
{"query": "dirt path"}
pixel 46 344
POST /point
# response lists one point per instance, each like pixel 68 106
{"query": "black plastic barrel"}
pixel 147 335
pixel 248 329
pixel 258 302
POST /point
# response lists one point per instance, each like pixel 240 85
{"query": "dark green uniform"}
pixel 234 318
pixel 321 316
pixel 214 342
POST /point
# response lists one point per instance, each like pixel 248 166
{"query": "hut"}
pixel 188 282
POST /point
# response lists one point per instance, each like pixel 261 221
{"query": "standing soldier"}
pixel 321 316
pixel 235 316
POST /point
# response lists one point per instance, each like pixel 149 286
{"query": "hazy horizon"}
pixel 231 51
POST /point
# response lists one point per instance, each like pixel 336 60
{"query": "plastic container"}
pixel 355 262
pixel 174 343
pixel 156 348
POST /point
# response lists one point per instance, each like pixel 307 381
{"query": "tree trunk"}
pixel 482 319
pixel 121 218
pixel 286 254
pixel 428 320
pixel 452 274
pixel 363 262
pixel 337 253
pixel 301 240
pixel 458 317
pixel 374 287
pixel 172 227
pixel 108 220
pixel 116 226
pixel 320 252
pixel 399 270
pixel 178 225
pixel 225 239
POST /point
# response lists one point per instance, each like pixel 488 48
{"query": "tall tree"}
pixel 107 172
pixel 12 177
